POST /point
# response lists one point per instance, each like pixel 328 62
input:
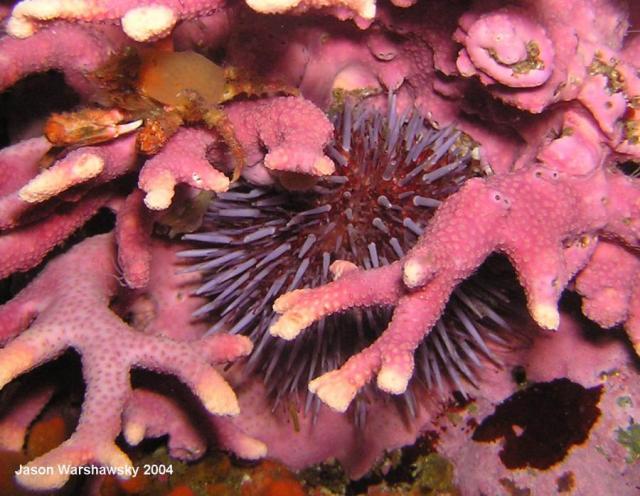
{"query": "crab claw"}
pixel 87 127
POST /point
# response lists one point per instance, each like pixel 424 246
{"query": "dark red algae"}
pixel 541 423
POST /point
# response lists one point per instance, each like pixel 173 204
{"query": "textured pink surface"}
pixel 164 307
pixel 544 217
pixel 25 247
pixel 28 16
pixel 182 160
pixel 68 306
pixel 148 415
pixel 597 466
pixel 506 47
pixel 117 157
pixel 72 49
pixel 292 129
pixel 550 91
pixel 609 289
pixel 134 224
pixel 26 153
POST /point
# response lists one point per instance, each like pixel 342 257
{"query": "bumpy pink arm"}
pixel 293 130
pixel 610 288
pixel 78 288
pixel 25 247
pixel 541 209
pixel 134 224
pixel 141 22
pixel 166 308
pixel 352 288
pixel 101 163
pixel 28 237
pixel 182 160
pixel 74 50
pixel 146 21
pixel 391 356
pixel 364 8
pixel 19 164
pixel 234 439
pixel 542 217
pixel 148 415
pixel 92 165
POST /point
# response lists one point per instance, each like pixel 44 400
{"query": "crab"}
pixel 156 91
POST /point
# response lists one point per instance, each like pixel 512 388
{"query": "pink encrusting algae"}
pixel 257 243
pixel 394 147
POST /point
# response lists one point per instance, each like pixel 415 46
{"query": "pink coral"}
pixel 72 49
pixel 554 356
pixel 140 22
pixel 291 145
pixel 542 217
pixel 149 415
pixel 506 47
pixel 609 289
pixel 68 307
pixel 25 247
pixel 134 224
pixel 298 150
pixel 149 21
pixel 548 89
pixel 182 160
pixel 93 165
pixel 25 225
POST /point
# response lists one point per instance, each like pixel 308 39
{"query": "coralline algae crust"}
pixel 547 95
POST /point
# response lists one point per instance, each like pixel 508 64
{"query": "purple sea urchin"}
pixel 392 171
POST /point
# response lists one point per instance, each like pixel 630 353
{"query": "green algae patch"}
pixel 630 439
pixel 435 475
